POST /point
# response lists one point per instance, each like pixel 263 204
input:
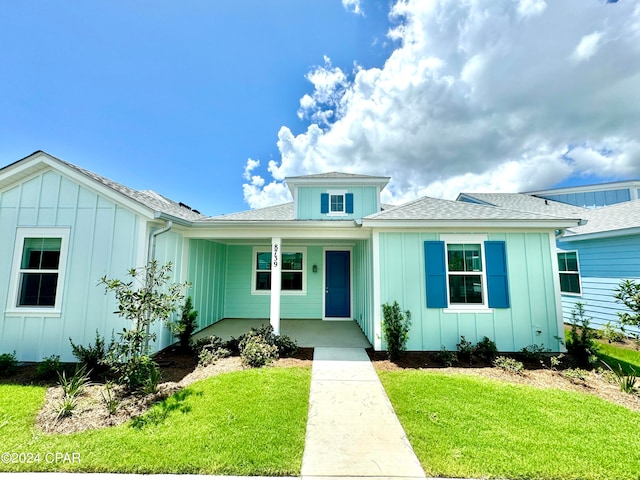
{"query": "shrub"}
pixel 485 349
pixel 93 356
pixel 186 325
pixel 509 364
pixel 534 353
pixel 465 349
pixel 446 357
pixel 395 326
pixel 287 347
pixel 627 383
pixel 257 352
pixel 612 333
pixel 66 406
pixel 581 342
pixel 574 374
pixel 136 373
pixel 8 364
pixel 209 357
pixel 110 399
pixel 48 368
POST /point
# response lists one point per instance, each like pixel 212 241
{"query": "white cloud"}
pixel 353 6
pixel 587 47
pixel 480 95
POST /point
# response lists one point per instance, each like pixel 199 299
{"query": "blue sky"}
pixel 214 103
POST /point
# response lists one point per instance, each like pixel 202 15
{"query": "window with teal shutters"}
pixel 437 275
pixel 497 282
pixel 324 203
pixel 436 272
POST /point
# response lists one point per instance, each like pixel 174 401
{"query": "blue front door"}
pixel 337 294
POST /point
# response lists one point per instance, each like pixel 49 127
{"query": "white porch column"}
pixel 276 268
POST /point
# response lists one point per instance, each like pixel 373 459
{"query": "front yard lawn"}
pixel 250 422
pixel 466 426
pixel 614 354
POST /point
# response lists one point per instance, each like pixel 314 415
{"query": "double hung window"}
pixel 292 271
pixel 569 272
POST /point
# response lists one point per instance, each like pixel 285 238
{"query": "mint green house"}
pixel 334 253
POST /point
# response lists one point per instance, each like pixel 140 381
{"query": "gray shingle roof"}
pixel 527 203
pixel 619 216
pixel 427 208
pixel 281 212
pixel 336 175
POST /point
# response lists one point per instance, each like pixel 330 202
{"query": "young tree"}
pixel 395 326
pixel 628 293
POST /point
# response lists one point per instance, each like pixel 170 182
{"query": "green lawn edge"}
pixel 251 422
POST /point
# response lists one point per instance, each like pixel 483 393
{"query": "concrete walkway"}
pixel 352 430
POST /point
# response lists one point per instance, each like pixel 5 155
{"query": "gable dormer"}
pixel 335 196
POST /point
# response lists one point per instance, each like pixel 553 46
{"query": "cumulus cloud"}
pixel 353 6
pixel 490 95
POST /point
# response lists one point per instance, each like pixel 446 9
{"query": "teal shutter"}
pixel 324 203
pixel 436 274
pixel 348 200
pixel 497 281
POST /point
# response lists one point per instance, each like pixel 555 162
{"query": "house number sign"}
pixel 275 255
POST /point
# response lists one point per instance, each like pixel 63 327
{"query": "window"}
pixel 292 271
pixel 40 257
pixel 569 272
pixel 466 272
pixel 336 203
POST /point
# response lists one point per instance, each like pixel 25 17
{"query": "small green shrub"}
pixel 186 325
pixel 509 365
pixel 257 352
pixel 613 333
pixel 576 374
pixel 150 384
pixel 75 384
pixel 485 349
pixel 209 357
pixel 465 349
pixel 447 358
pixel 627 383
pixel 535 353
pixel 136 373
pixel 93 356
pixel 48 368
pixel 581 342
pixel 287 347
pixel 8 364
pixel 66 406
pixel 557 361
pixel 395 327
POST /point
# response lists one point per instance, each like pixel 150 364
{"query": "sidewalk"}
pixel 352 430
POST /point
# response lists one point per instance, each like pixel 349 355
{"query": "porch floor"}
pixel 307 333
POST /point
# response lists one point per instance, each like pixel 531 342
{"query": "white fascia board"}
pixel 379 182
pixel 536 224
pixel 285 231
pixel 600 235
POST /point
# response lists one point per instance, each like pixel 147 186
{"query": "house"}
pixel 595 256
pixel 333 253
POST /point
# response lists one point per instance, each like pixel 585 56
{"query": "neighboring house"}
pixel 334 253
pixel 595 256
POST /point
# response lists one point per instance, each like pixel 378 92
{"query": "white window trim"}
pixel 461 307
pixel 343 194
pixel 14 288
pixel 571 294
pixel 284 249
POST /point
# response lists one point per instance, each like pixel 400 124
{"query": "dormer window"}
pixel 336 203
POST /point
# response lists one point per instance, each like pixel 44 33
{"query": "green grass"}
pixel 464 426
pixel 614 355
pixel 251 422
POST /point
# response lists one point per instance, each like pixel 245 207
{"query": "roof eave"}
pixel 435 223
pixel 622 232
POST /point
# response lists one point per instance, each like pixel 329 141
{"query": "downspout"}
pixel 151 256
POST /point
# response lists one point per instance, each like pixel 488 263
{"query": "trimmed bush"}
pixel 395 326
pixel 48 368
pixel 8 364
pixel 257 352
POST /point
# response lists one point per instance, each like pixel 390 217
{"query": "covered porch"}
pixel 306 332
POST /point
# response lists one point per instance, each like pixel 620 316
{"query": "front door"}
pixel 337 296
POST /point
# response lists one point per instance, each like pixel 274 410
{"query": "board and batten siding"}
pixel 103 240
pixel 207 273
pixel 363 288
pixel 531 318
pixel 241 303
pixel 599 198
pixel 365 202
pixel 604 264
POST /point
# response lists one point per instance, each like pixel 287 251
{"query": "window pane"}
pixel 562 262
pixel 569 283
pixel 464 257
pixel 41 253
pixel 38 289
pixel 465 288
pixel 263 281
pixel 263 261
pixel 292 261
pixel 337 203
pixel 291 280
pixel 572 261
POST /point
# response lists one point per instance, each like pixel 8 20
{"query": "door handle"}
pixel 326 290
